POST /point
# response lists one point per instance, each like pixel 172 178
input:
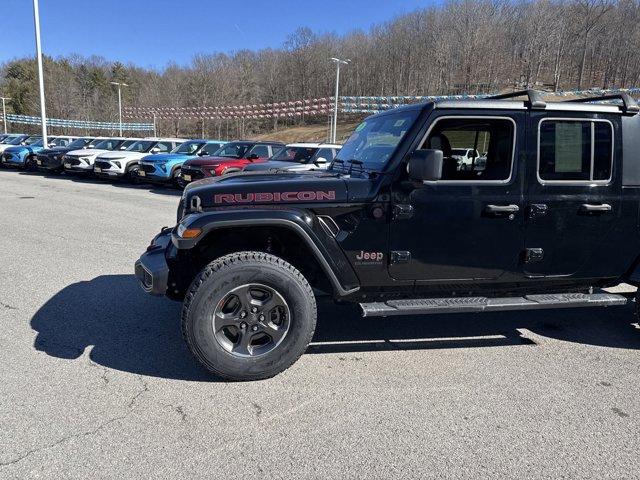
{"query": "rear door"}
pixel 573 195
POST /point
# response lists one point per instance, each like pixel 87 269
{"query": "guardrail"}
pixel 80 124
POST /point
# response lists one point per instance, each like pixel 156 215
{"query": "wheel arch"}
pixel 288 235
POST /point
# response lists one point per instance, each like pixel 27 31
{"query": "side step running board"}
pixel 482 304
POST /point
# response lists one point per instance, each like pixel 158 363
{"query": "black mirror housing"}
pixel 425 165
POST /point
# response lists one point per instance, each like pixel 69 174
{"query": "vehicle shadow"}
pixel 131 331
pixel 83 178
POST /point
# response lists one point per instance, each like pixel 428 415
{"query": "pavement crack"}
pixel 7 306
pixel 258 409
pixel 130 406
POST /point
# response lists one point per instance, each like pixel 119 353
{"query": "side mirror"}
pixel 202 153
pixel 425 165
pixel 154 150
pixel 320 161
pixel 253 156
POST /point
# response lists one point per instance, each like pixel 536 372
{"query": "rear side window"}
pixel 575 151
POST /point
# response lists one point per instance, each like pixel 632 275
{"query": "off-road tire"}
pixel 212 285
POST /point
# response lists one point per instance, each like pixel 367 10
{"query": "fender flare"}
pixel 304 224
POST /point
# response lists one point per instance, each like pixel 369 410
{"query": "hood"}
pixel 20 149
pixel 270 188
pixel 117 155
pixel 208 161
pixel 87 152
pixel 165 157
pixel 54 150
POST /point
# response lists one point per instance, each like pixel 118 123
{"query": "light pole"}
pixel 120 85
pixel 339 62
pixel 4 112
pixel 43 113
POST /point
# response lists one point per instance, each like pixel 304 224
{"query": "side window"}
pixel 572 150
pixel 474 148
pixel 262 151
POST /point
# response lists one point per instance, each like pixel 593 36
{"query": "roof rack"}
pixel 534 96
pixel 629 105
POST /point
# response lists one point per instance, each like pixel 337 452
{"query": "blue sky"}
pixel 152 33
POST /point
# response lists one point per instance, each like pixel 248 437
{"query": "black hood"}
pixel 55 151
pixel 263 188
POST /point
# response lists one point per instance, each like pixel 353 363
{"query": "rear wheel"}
pixel 248 316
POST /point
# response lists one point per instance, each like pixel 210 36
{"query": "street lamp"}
pixel 43 113
pixel 339 62
pixel 4 112
pixel 120 85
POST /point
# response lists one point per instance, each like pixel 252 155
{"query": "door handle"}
pixel 504 209
pixel 591 208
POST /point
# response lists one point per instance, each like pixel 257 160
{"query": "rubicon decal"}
pixel 275 197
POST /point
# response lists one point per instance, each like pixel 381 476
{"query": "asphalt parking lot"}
pixel 96 381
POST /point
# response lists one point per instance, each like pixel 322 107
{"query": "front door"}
pixel 469 224
pixel 573 196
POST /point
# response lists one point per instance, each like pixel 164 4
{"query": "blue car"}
pixel 20 155
pixel 23 155
pixel 166 167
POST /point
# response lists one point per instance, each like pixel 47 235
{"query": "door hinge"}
pixel 401 256
pixel 402 211
pixel 533 255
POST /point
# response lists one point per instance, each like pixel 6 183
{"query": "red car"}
pixel 232 157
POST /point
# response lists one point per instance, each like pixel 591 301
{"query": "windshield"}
pixel 141 146
pixel 126 144
pixel 33 141
pixel 188 148
pixel 373 141
pixel 295 154
pixel 108 144
pixel 79 143
pixel 233 150
pixel 14 140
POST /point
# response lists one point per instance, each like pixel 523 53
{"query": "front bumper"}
pixel 192 174
pixel 12 160
pixel 77 165
pixel 47 162
pixel 151 268
pixel 153 173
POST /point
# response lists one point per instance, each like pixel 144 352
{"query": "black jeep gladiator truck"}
pixel 546 218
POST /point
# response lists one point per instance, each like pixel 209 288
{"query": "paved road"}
pixel 95 380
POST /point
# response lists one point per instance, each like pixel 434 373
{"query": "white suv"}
pixel 123 163
pixel 299 157
pixel 82 160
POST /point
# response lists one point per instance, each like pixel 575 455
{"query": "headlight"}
pixel 184 232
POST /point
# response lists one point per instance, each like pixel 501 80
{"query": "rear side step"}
pixel 425 306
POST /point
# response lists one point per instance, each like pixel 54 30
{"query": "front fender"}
pixel 302 222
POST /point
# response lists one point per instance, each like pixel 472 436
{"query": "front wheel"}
pixel 248 316
pixel 133 174
pixel 177 179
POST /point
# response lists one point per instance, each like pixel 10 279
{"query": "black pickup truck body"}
pixel 548 216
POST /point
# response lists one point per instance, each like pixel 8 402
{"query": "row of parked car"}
pixel 175 161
